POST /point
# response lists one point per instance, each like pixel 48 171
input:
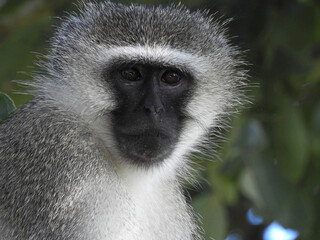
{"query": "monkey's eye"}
pixel 171 77
pixel 131 74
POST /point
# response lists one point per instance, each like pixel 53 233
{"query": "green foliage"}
pixel 6 106
pixel 272 157
pixel 289 130
pixel 271 160
pixel 213 215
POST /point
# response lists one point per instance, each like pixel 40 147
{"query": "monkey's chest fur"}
pixel 74 192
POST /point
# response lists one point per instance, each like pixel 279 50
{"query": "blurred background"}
pixel 264 181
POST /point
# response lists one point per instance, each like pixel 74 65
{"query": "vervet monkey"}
pixel 125 95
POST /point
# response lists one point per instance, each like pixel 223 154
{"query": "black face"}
pixel 149 116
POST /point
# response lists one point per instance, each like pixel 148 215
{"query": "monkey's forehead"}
pixel 121 25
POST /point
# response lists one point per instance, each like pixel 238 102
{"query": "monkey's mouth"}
pixel 147 147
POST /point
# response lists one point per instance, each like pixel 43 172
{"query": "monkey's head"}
pixel 159 77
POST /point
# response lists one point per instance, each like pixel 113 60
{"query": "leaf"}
pixel 6 106
pixel 213 216
pixel 276 198
pixel 252 137
pixel 290 141
pixel 316 119
pixel 250 188
pixel 224 183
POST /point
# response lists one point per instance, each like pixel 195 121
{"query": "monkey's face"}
pixel 149 116
pixel 162 76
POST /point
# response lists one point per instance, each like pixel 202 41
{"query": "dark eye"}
pixel 131 74
pixel 171 77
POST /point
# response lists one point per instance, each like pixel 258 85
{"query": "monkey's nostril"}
pixel 159 110
pixel 153 109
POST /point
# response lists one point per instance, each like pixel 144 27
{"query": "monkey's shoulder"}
pixel 41 121
pixel 40 136
pixel 45 156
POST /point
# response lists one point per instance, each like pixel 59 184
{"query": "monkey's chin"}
pixel 143 150
pixel 146 159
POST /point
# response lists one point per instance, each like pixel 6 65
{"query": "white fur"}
pixel 164 55
pixel 143 187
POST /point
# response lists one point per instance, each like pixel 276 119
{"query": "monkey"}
pixel 125 95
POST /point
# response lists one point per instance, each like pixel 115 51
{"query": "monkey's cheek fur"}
pixel 145 149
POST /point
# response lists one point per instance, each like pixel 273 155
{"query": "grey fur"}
pixel 59 170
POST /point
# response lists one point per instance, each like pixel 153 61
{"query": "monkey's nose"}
pixel 153 104
pixel 154 109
